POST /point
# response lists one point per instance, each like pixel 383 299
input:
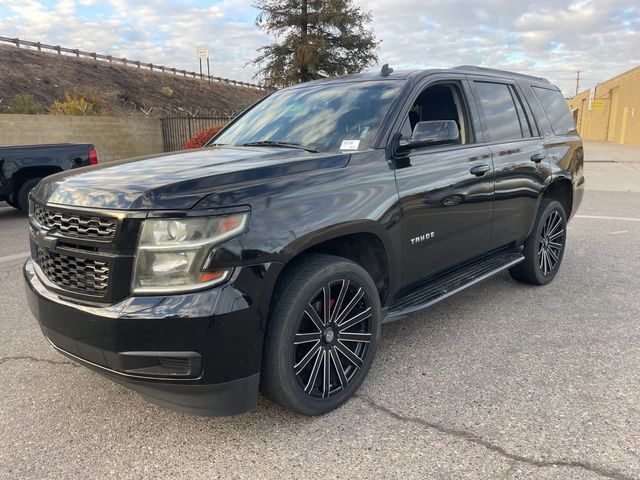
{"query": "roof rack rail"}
pixel 498 71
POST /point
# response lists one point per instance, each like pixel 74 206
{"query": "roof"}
pixel 416 74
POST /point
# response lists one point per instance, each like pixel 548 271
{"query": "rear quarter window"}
pixel 556 109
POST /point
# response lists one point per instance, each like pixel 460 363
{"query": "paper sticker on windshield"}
pixel 349 144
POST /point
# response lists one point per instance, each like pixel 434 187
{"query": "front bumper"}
pixel 199 352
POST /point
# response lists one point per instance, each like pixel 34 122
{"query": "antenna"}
pixel 386 70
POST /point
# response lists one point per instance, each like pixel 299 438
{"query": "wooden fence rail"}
pixel 130 63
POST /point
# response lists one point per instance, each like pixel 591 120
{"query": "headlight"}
pixel 172 252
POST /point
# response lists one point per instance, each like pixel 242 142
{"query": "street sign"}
pixel 597 104
pixel 203 53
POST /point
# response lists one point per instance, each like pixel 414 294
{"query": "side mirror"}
pixel 437 132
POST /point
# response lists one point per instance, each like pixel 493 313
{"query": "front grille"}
pixel 88 226
pixel 73 273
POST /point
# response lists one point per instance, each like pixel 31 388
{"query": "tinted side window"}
pixel 442 101
pixel 499 115
pixel 556 109
pixel 525 126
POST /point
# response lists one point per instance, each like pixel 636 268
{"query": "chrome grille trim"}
pixel 74 273
pixel 75 225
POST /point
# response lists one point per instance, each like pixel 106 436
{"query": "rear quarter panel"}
pixel 566 155
pixel 565 152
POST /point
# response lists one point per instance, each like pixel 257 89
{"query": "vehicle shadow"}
pixel 7 211
pixel 434 325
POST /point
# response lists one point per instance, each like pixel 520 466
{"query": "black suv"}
pixel 268 260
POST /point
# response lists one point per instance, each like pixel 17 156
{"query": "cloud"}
pixel 550 38
pixel 164 32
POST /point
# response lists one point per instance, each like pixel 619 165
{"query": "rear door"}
pixel 521 166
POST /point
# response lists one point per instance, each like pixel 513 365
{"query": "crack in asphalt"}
pixel 32 359
pixel 478 440
pixel 462 434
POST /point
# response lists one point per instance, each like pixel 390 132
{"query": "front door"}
pixel 446 192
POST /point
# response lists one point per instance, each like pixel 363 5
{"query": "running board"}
pixel 451 282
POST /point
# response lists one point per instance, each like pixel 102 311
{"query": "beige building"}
pixel 610 112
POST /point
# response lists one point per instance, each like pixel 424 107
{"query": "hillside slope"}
pixel 123 91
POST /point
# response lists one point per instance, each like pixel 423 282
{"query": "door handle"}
pixel 480 170
pixel 538 157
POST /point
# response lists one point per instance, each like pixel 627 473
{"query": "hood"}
pixel 177 180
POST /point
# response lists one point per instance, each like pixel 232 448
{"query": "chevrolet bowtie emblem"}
pixel 48 242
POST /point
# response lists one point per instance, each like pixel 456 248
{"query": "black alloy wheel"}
pixel 544 249
pixel 332 339
pixel 551 242
pixel 322 334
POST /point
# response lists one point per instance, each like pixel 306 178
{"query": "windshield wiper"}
pixel 275 143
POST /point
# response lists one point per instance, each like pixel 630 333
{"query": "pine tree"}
pixel 314 39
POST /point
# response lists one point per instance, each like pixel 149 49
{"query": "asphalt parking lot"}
pixel 502 381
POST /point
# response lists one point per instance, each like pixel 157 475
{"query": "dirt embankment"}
pixel 123 91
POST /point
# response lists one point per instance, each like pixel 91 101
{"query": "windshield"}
pixel 326 118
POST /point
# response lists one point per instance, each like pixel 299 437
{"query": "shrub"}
pixel 25 104
pixel 167 91
pixel 202 137
pixel 76 104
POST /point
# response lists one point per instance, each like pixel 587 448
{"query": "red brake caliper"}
pixel 332 302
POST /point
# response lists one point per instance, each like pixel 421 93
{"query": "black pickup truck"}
pixel 23 166
pixel 268 260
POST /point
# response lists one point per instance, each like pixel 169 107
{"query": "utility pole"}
pixel 577 82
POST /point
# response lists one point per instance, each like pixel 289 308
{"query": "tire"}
pixel 544 249
pixel 22 200
pixel 302 341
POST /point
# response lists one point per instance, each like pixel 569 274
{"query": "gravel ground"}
pixel 501 381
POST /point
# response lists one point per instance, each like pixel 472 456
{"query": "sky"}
pixel 549 38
